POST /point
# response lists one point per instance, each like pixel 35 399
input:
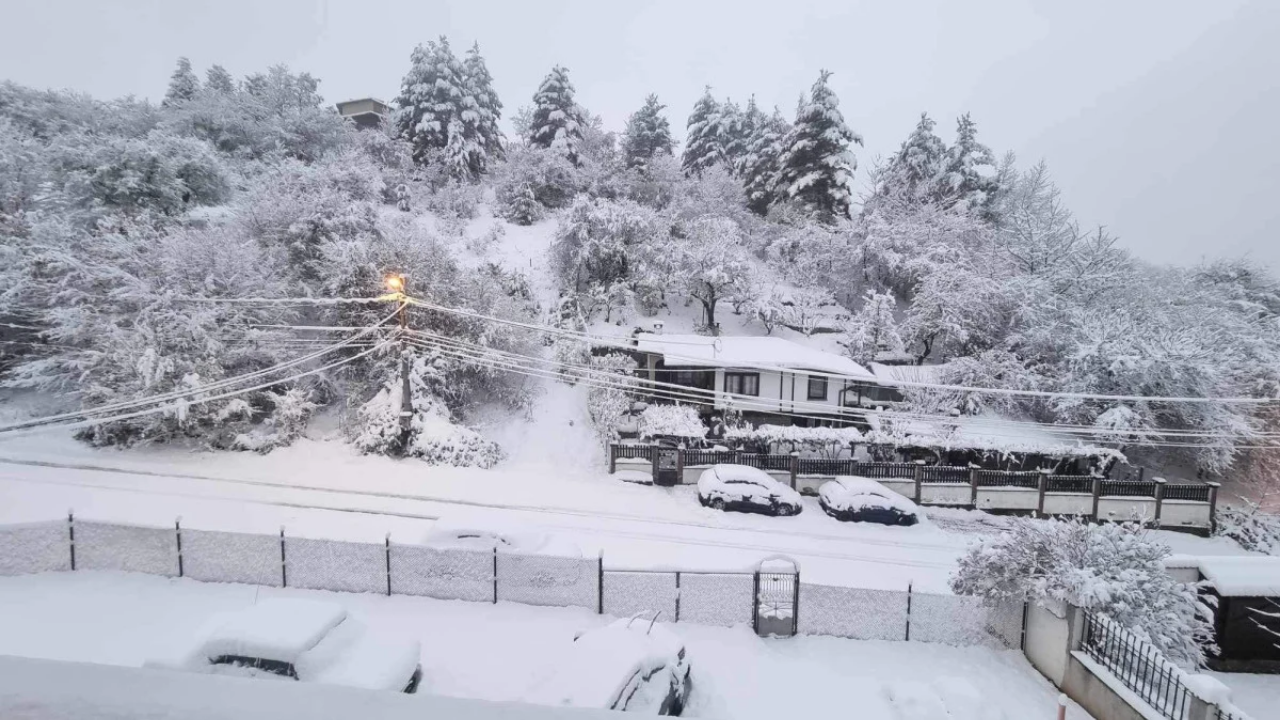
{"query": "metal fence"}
pixel 705 597
pixel 1140 666
pixel 1195 493
pixel 1128 488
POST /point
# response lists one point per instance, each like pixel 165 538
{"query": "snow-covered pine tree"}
pixel 648 133
pixel 219 80
pixel 734 135
pixel 759 167
pixel 524 208
pixel 816 165
pixel 183 84
pixel 489 108
pixel 969 177
pixel 557 122
pixel 752 119
pixel 431 98
pixel 916 171
pixel 702 143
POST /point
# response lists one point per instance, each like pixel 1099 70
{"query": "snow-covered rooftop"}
pixel 907 373
pixel 744 352
pixel 1236 576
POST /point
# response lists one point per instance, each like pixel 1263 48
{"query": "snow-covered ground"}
pixel 498 652
pixel 1258 695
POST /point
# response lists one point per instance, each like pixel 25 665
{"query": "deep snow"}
pixel 498 652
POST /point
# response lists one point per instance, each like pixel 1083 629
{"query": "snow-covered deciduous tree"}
pixel 648 134
pixel 703 142
pixel 873 329
pixel 433 436
pixel 709 264
pixel 594 242
pixel 816 166
pixel 183 84
pixel 607 399
pixel 759 167
pixel 953 307
pixel 557 123
pixel 1113 569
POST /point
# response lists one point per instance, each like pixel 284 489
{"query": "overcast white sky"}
pixel 1157 117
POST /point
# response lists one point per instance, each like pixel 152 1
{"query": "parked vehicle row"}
pixel 742 488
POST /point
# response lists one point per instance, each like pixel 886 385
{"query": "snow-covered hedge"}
pixel 671 420
pixel 796 435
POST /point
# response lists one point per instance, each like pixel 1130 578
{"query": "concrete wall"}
pixel 809 484
pixel 948 494
pixel 1007 498
pixel 1125 508
pixel 1184 513
pixel 1068 504
pixel 905 488
pixel 1081 684
pixel 1045 643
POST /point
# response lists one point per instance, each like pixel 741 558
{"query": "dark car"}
pixel 746 489
pixel 859 499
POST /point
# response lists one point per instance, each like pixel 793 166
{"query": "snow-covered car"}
pixel 859 499
pixel 468 533
pixel 303 640
pixel 746 489
pixel 631 664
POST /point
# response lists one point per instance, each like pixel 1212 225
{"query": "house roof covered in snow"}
pixel 1242 575
pixel 745 352
pixel 907 373
pixel 987 433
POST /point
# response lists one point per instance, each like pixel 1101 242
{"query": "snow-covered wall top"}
pixel 745 352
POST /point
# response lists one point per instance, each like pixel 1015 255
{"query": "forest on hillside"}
pixel 154 250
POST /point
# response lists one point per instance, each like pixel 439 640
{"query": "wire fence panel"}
pixel 33 548
pixel 104 546
pixel 548 580
pixel 717 599
pixel 447 574
pixel 964 620
pixel 216 556
pixel 628 593
pixel 858 613
pixel 335 565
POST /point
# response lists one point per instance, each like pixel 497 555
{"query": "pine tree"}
pixel 431 98
pixel 219 80
pixel 557 121
pixel 702 141
pixel 963 180
pixel 759 167
pixel 183 84
pixel 752 119
pixel 816 165
pixel 489 108
pixel 648 133
pixel 917 171
pixel 733 135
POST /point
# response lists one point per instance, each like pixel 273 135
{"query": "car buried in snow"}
pixel 632 664
pixel 859 499
pixel 301 640
pixel 746 489
pixel 464 532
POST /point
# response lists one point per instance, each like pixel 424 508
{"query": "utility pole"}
pixel 400 285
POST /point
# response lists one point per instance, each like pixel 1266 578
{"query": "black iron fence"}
pixel 1069 484
pixel 1128 488
pixel 1194 493
pixel 1002 478
pixel 1140 666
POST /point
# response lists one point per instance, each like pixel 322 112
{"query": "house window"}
pixel 817 388
pixel 738 383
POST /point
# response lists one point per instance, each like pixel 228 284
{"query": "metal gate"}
pixel 777 599
pixel 666 467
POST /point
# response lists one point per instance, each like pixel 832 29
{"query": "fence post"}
pixel 680 464
pixel 388 563
pixel 71 536
pixel 1041 486
pixel 600 585
pixel 677 596
pixel 917 475
pixel 653 464
pixel 795 606
pixel 1097 493
pixel 908 637
pixel 495 574
pixel 613 458
pixel 755 604
pixel 795 467
pixel 284 570
pixel 1159 498
pixel 973 487
pixel 1213 506
pixel 177 531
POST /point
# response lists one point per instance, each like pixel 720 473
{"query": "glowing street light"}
pixel 395 283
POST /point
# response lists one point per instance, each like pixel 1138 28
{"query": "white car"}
pixel 746 489
pixel 859 499
pixel 302 640
pixel 466 533
pixel 632 664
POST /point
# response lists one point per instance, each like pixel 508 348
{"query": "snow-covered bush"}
pixel 595 242
pixel 607 399
pixel 1114 569
pixel 522 208
pixel 827 440
pixel 433 435
pixel 454 200
pixel 288 420
pixel 1250 526
pixel 681 421
pixel 553 180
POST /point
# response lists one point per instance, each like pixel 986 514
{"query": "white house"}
pixel 758 375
